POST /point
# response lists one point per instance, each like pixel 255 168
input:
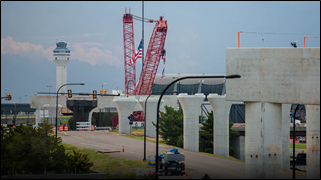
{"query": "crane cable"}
pixel 142 19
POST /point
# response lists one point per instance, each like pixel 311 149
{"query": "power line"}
pixel 279 33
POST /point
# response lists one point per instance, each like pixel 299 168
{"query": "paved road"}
pixel 198 164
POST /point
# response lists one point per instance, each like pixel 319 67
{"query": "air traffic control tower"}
pixel 61 57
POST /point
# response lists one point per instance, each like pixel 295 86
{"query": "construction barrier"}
pixel 92 127
pixel 54 129
pixel 83 126
pixel 61 128
pixel 66 128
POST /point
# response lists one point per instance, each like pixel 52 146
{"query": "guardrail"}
pixel 83 126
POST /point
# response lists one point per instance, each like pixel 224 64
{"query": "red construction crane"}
pixel 129 50
pixel 154 52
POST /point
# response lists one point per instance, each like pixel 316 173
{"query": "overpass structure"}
pixel 272 80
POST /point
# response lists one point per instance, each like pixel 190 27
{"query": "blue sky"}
pixel 197 37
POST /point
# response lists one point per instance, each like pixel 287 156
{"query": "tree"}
pixel 31 150
pixel 232 133
pixel 171 126
pixel 70 122
pixel 206 136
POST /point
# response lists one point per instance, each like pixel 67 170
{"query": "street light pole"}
pixel 146 122
pixel 57 102
pixel 160 98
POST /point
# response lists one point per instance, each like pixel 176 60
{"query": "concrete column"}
pixel 37 117
pixel 125 106
pixel 286 136
pixel 90 117
pixel 151 114
pixel 52 113
pixel 263 147
pixel 313 141
pixel 191 105
pixel 221 109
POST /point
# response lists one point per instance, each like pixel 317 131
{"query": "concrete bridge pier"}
pixel 38 119
pixel 286 136
pixel 221 109
pixel 151 114
pixel 125 107
pixel 52 113
pixel 263 147
pixel 191 105
pixel 313 141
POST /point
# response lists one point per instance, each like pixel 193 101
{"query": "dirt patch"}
pixel 138 133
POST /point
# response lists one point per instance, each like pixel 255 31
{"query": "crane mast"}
pixel 129 50
pixel 154 52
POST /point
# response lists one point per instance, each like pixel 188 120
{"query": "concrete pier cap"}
pixel 191 105
pixel 221 109
pixel 151 113
pixel 125 106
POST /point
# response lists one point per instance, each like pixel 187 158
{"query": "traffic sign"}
pixel 130 123
pixel 131 117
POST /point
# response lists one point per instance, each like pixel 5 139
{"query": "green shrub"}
pixel 78 160
pixel 30 150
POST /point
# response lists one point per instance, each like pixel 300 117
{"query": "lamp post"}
pixel 304 40
pixel 26 97
pixel 57 102
pixel 146 122
pixel 49 88
pixel 160 98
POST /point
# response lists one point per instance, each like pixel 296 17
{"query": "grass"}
pixel 299 146
pixel 164 142
pixel 107 163
pixel 230 157
pixel 137 130
pixel 142 138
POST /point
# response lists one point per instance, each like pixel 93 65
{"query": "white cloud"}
pixel 92 55
pixel 8 45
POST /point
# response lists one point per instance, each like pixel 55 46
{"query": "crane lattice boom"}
pixel 155 48
pixel 129 50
